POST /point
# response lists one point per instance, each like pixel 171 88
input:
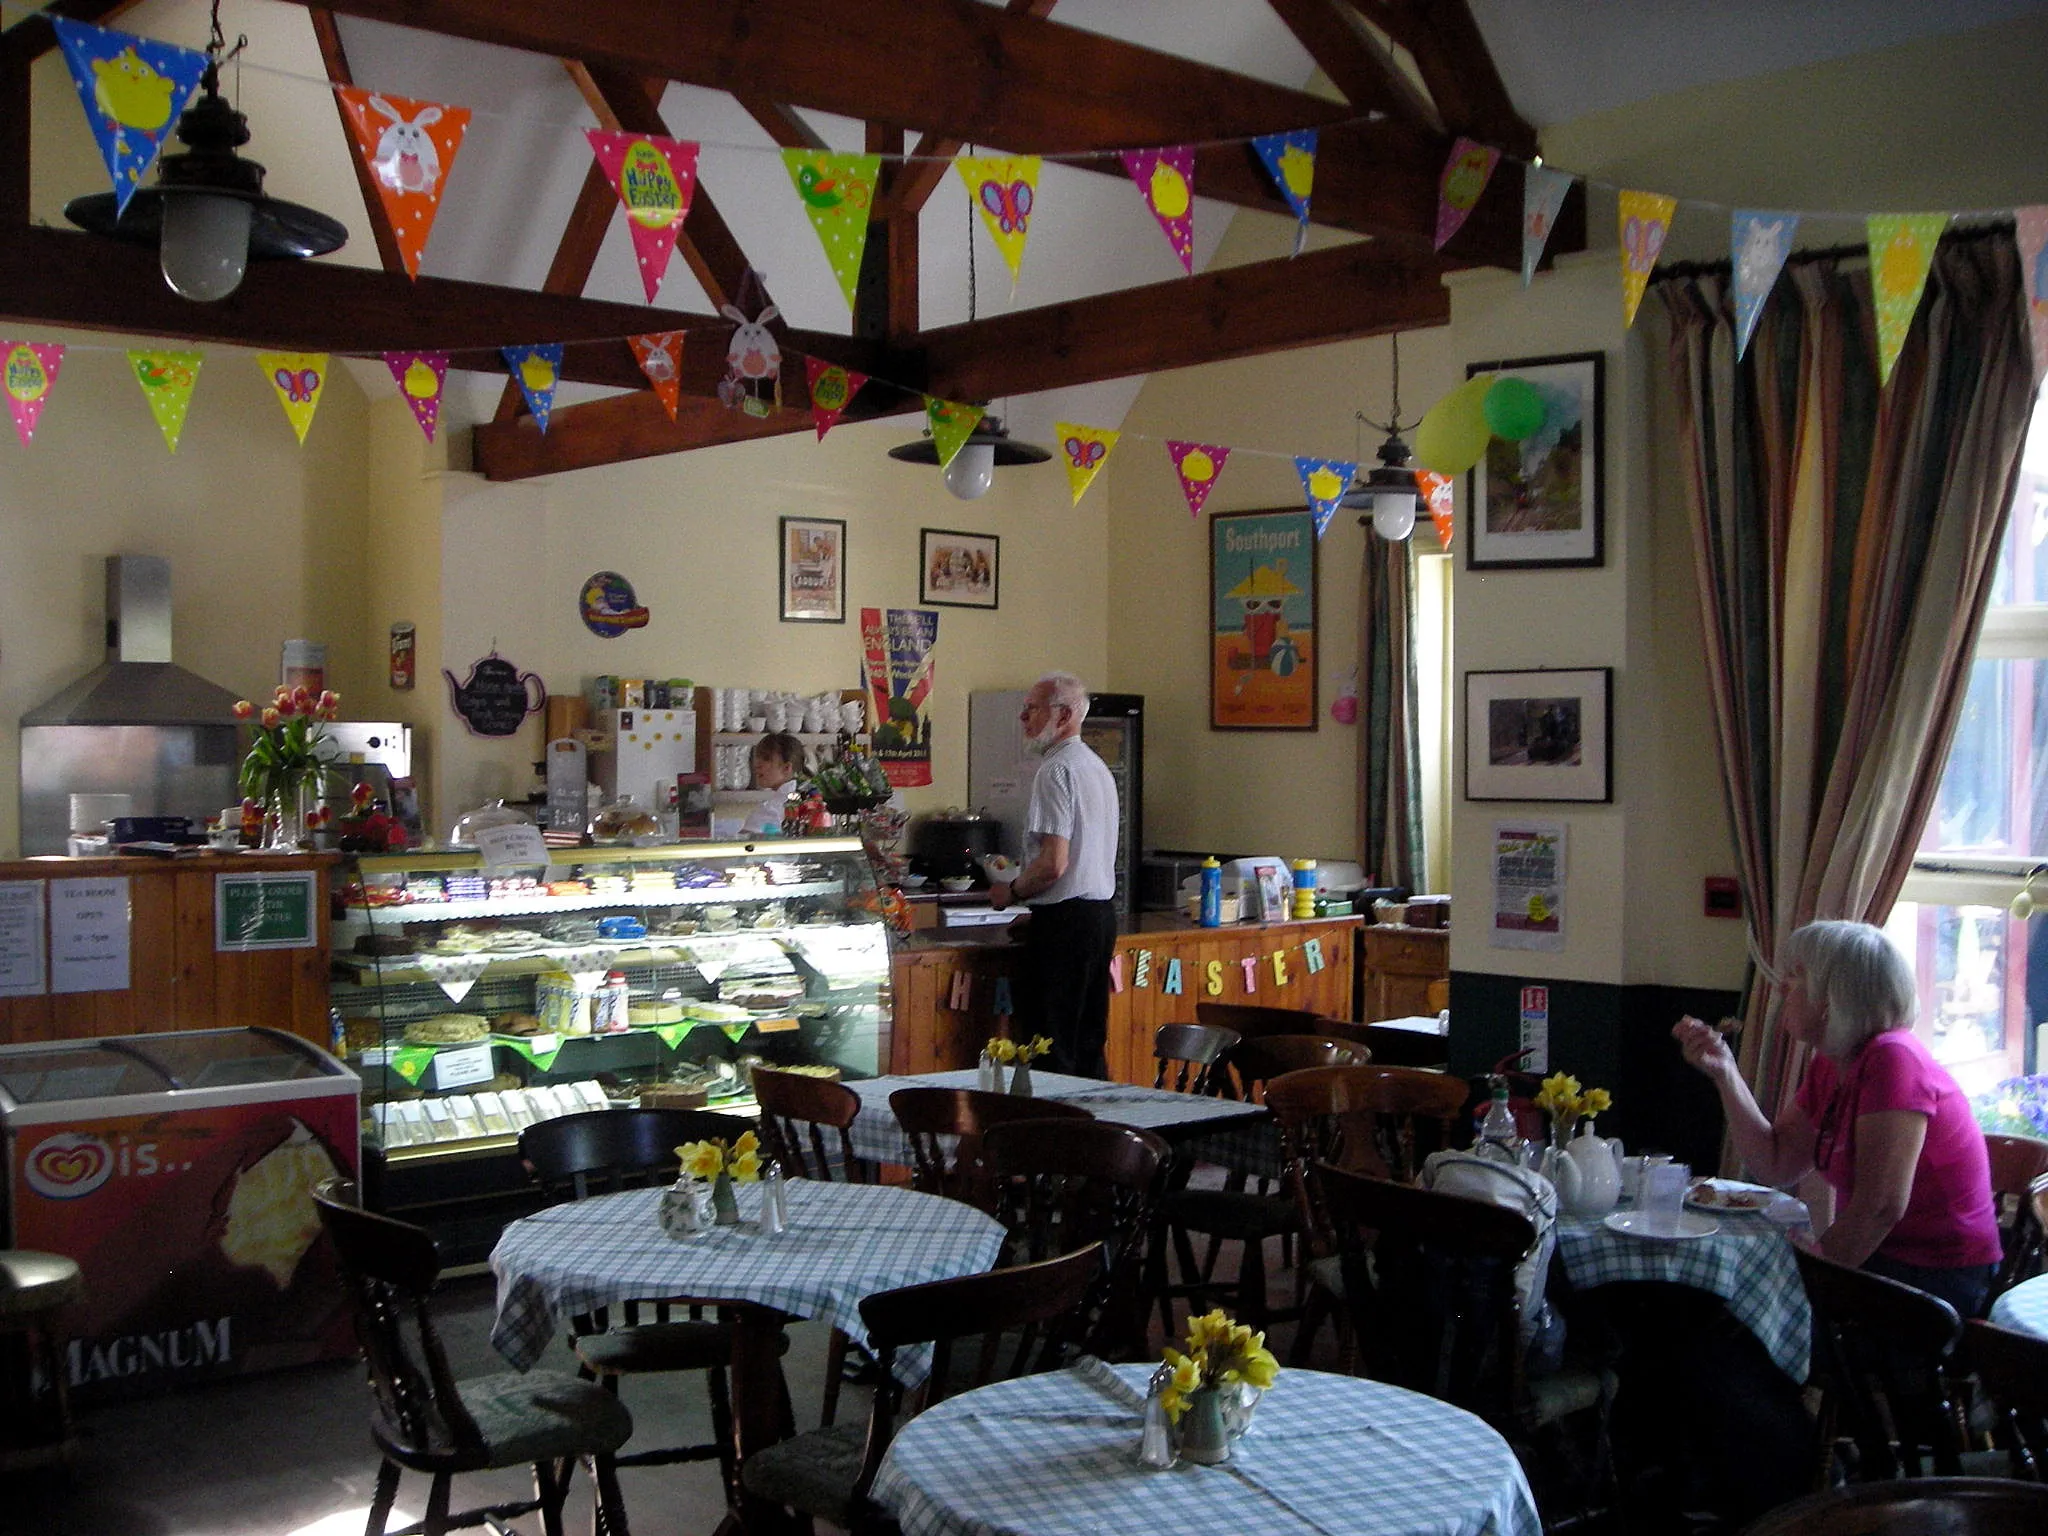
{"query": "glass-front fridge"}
pixel 1000 771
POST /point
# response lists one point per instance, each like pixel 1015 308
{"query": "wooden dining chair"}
pixel 933 1117
pixel 2019 1164
pixel 1927 1506
pixel 1251 1020
pixel 2013 1369
pixel 1190 1057
pixel 1259 1058
pixel 424 1419
pixel 1061 1186
pixel 574 1157
pixel 1883 1358
pixel 796 1112
pixel 826 1473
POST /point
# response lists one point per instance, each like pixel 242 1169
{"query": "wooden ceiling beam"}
pixel 780 123
pixel 1345 49
pixel 1451 54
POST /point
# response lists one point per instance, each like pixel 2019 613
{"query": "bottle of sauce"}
pixel 1212 893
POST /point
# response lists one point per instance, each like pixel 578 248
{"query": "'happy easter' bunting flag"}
pixel 132 89
pixel 538 369
pixel 1199 466
pixel 1290 159
pixel 1901 251
pixel 952 423
pixel 1324 482
pixel 837 191
pixel 1758 244
pixel 167 380
pixel 1543 193
pixel 1004 189
pixel 298 378
pixel 31 373
pixel 1166 177
pixel 832 390
pixel 1459 188
pixel 654 178
pixel 660 355
pixel 2030 228
pixel 408 147
pixel 1083 450
pixel 1645 219
pixel 420 377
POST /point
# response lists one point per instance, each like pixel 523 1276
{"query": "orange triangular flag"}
pixel 661 359
pixel 408 148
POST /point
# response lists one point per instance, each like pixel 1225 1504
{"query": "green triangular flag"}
pixel 837 191
pixel 1901 251
pixel 167 379
pixel 952 424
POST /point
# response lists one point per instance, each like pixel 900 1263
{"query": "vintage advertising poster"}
pixel 1528 885
pixel 896 656
pixel 1262 599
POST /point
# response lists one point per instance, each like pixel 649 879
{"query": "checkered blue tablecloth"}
pixel 1226 1127
pixel 2024 1308
pixel 1051 1456
pixel 1748 1264
pixel 844 1242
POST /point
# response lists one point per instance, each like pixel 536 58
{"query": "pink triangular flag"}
pixel 31 375
pixel 1199 465
pixel 2030 226
pixel 654 178
pixel 1166 177
pixel 1464 178
pixel 420 377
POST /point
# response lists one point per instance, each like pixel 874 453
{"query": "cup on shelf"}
pixel 757 723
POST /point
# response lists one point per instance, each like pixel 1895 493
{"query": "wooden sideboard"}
pixel 946 994
pixel 1397 966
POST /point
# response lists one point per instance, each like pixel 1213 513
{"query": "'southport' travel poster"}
pixel 1262 598
pixel 896 656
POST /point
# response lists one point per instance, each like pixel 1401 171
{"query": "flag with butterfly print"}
pixel 298 378
pixel 1645 219
pixel 167 380
pixel 832 390
pixel 1290 159
pixel 31 373
pixel 1083 450
pixel 1004 189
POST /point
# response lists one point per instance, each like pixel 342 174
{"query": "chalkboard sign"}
pixel 497 697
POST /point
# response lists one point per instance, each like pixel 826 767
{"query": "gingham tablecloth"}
pixel 844 1242
pixel 1050 1456
pixel 1225 1124
pixel 1748 1264
pixel 2024 1308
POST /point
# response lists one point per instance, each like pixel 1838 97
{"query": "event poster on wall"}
pixel 1262 602
pixel 1528 885
pixel 896 656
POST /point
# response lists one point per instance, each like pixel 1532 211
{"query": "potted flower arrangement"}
pixel 1566 1103
pixel 1001 1051
pixel 284 757
pixel 722 1162
pixel 1223 1360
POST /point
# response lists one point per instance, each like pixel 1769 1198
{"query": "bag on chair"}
pixel 1527 1194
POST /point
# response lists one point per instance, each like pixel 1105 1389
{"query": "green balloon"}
pixel 1513 409
pixel 1453 434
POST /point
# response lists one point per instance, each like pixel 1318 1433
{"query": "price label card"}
pixel 459 1066
pixel 515 847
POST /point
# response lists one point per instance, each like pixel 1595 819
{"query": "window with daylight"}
pixel 1984 972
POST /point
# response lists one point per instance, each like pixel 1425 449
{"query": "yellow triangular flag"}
pixel 298 378
pixel 1004 189
pixel 952 423
pixel 837 192
pixel 1084 450
pixel 1645 220
pixel 167 380
pixel 1901 251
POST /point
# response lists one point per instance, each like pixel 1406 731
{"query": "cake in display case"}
pixel 474 1001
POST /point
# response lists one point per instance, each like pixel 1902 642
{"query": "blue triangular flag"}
pixel 1543 193
pixel 1290 159
pixel 1758 244
pixel 538 370
pixel 1324 482
pixel 132 89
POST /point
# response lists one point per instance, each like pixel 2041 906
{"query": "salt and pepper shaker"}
pixel 773 1210
pixel 1155 1449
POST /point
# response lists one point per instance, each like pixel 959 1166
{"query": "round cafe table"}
pixel 1327 1455
pixel 2024 1308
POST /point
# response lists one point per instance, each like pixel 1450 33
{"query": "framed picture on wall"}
pixel 1538 501
pixel 1262 621
pixel 813 570
pixel 957 570
pixel 1540 735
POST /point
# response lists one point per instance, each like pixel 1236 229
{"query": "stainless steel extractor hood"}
pixel 138 684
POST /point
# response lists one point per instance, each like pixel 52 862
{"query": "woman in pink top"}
pixel 1885 1125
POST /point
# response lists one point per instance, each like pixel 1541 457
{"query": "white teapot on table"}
pixel 1587 1173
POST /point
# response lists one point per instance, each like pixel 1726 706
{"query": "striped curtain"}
pixel 1390 757
pixel 1844 541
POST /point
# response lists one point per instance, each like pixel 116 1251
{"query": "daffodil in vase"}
pixel 1215 1384
pixel 723 1162
pixel 998 1052
pixel 1024 1052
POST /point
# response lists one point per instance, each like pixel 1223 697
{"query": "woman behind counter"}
pixel 1882 1121
pixel 778 761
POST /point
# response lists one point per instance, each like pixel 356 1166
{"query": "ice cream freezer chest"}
pixel 177 1169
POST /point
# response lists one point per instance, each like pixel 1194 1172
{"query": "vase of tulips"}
pixel 1216 1382
pixel 723 1162
pixel 281 771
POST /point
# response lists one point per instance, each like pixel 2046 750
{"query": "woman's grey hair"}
pixel 1861 977
pixel 1068 691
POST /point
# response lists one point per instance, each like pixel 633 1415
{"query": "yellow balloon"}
pixel 1453 434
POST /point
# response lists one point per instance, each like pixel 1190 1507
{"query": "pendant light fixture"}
pixel 972 469
pixel 206 214
pixel 1390 492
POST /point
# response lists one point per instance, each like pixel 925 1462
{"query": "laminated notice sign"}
pixel 1528 885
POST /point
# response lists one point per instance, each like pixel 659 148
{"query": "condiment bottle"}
pixel 1212 893
pixel 613 1012
pixel 1155 1449
pixel 1304 887
pixel 773 1211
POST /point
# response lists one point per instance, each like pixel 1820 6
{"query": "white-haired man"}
pixel 1068 881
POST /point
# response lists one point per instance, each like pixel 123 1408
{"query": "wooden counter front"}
pixel 945 988
pixel 176 978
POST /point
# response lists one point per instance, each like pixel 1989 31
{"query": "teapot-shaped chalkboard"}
pixel 497 695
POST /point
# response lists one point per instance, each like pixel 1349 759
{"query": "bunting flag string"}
pixel 298 378
pixel 2031 230
pixel 1543 191
pixel 1084 450
pixel 837 192
pixel 1290 159
pixel 1761 243
pixel 421 377
pixel 952 423
pixel 1463 182
pixel 1199 465
pixel 832 390
pixel 1003 189
pixel 408 148
pixel 1324 482
pixel 167 380
pixel 31 375
pixel 1645 219
pixel 655 179
pixel 538 369
pixel 660 356
pixel 1901 251
pixel 1166 178
pixel 132 89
